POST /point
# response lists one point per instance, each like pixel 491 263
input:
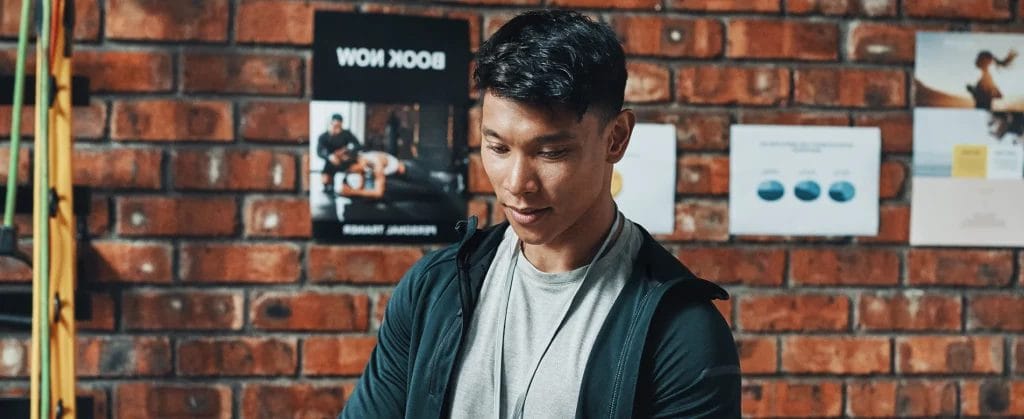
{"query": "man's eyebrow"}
pixel 555 137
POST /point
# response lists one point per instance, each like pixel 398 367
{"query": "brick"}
pixel 478 181
pixel 150 400
pixel 310 311
pixel 850 87
pixel 909 310
pixel 779 39
pixel 893 225
pixel 949 354
pixel 881 42
pixel 789 398
pixel 992 397
pixel 958 9
pixel 704 131
pixel 181 310
pixel 304 168
pixel 118 168
pixel 473 132
pixel 24 164
pixel 88 123
pixel 873 8
pixel 260 263
pixel 669 37
pixel 376 265
pixel 235 170
pixel 757 355
pixel 171 120
pixel 101 315
pixel 345 356
pixel 381 307
pixel 13 271
pixel 603 4
pixel 731 85
pixel 231 263
pixel 176 216
pixel 86 19
pixel 122 356
pixel 99 216
pixel 278 217
pixel 265 74
pixel 888 398
pixel 647 83
pixel 699 221
pixel 1018 365
pixel 161 21
pixel 836 355
pixel 897 129
pixel 14 357
pixel 260 21
pixel 284 122
pixel 973 268
pixel 822 266
pixel 801 312
pixel 703 175
pixel 237 357
pixel 727 6
pixel 892 176
pixel 774 117
pixel 498 2
pixel 134 262
pixel 730 265
pixel 996 312
pixel 294 400
pixel 125 71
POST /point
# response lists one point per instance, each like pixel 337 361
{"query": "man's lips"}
pixel 526 215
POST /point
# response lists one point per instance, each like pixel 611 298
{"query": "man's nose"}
pixel 521 177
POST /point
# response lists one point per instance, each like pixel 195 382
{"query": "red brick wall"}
pixel 211 300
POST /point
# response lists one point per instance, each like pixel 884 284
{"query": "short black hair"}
pixel 337 117
pixel 555 58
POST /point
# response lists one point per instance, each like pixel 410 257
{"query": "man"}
pixel 574 311
pixel 338 147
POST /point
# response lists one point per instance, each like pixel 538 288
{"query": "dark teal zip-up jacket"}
pixel 664 350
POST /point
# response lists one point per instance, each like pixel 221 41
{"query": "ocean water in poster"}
pixel 968 163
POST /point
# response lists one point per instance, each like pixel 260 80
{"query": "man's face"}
pixel 548 169
pixel 336 127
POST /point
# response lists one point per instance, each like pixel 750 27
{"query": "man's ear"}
pixel 621 129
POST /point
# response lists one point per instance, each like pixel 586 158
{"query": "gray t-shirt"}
pixel 537 300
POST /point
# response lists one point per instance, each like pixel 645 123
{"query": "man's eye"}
pixel 553 154
pixel 497 149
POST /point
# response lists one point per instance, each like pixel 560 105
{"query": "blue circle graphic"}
pixel 841 191
pixel 807 190
pixel 770 190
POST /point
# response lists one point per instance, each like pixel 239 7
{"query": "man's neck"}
pixel 577 245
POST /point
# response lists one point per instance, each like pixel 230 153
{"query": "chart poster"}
pixel 643 182
pixel 968 167
pixel 387 124
pixel 803 181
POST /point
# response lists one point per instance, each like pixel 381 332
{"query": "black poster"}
pixel 388 151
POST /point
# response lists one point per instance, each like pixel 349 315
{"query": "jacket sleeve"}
pixel 691 365
pixel 381 391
